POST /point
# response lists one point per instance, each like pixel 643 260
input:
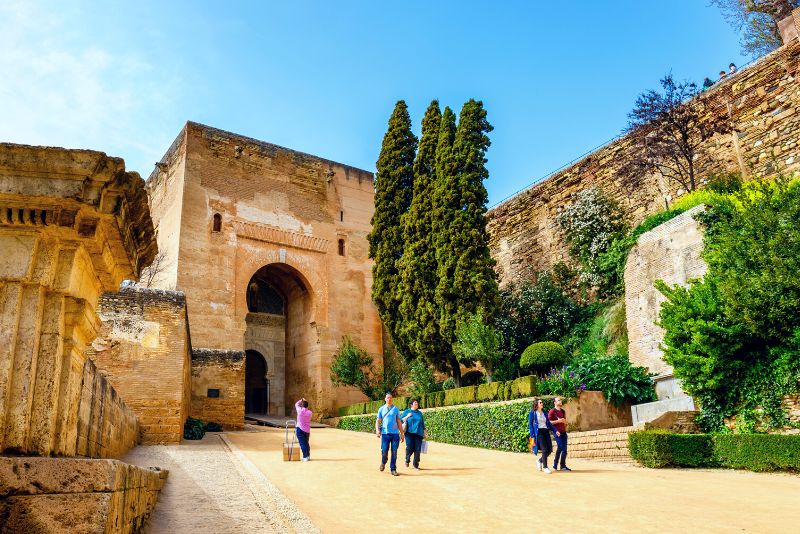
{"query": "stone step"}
pixel 610 444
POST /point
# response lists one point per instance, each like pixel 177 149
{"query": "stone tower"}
pixel 269 246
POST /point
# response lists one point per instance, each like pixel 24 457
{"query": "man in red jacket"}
pixel 558 417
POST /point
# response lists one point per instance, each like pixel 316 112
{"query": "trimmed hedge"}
pixel 523 387
pixel 661 448
pixel 489 426
pixel 758 452
pixel 755 452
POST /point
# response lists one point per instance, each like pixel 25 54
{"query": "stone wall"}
pixel 76 495
pixel 671 252
pixel 143 348
pixel 761 99
pixel 223 371
pixel 591 411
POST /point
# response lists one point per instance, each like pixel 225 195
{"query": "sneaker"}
pixel 305 459
pixel 382 467
pixel 394 473
pixel 539 464
pixel 546 470
pixel 565 468
pixel 416 468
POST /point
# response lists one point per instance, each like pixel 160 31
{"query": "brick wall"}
pixel 143 348
pixel 219 370
pixel 670 252
pixel 762 101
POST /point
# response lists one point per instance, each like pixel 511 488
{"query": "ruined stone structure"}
pixel 144 349
pixel 762 102
pixel 73 223
pixel 269 247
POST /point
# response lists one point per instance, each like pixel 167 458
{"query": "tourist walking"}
pixel 539 428
pixel 303 427
pixel 558 418
pixel 388 427
pixel 414 432
pixel 732 68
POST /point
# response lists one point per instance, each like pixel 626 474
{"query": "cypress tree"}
pixel 443 200
pixel 420 327
pixel 393 191
pixel 467 281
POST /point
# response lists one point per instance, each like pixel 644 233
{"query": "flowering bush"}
pixel 562 382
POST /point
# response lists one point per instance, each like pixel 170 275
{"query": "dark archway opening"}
pixel 256 385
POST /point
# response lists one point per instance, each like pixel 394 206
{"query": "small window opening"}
pixel 341 216
pixel 213 393
pixel 341 247
pixel 217 222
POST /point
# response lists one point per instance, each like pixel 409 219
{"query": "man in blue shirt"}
pixel 389 428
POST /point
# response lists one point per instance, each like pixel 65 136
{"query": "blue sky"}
pixel 557 78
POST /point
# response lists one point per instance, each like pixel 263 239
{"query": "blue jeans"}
pixel 413 446
pixel 394 441
pixel 302 438
pixel 561 451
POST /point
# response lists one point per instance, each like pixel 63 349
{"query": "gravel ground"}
pixel 212 487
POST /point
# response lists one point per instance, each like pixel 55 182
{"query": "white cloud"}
pixel 59 87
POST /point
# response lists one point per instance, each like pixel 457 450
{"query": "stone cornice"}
pixel 271 234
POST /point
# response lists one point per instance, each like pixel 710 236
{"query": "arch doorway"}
pixel 279 314
pixel 256 385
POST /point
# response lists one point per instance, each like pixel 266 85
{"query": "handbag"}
pixel 424 447
pixel 532 446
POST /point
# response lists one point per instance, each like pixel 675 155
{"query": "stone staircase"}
pixel 610 444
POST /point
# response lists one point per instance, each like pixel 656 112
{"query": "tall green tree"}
pixel 420 326
pixel 467 280
pixel 393 192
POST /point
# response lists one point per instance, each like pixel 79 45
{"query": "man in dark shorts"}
pixel 558 417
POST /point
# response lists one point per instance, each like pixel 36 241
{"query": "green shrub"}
pixel 542 356
pixel 490 426
pixel 758 452
pixel 616 377
pixel 465 395
pixel 449 383
pixel 193 429
pixel 661 448
pixel 422 378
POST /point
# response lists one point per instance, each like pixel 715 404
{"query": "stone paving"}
pixel 211 490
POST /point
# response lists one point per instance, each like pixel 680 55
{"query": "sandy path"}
pixel 477 490
pixel 210 490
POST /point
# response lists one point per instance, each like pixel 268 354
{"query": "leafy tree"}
pixel 417 267
pixel 478 341
pixel 668 135
pixel 541 311
pixel 734 338
pixel 353 366
pixel 757 20
pixel 393 190
pixel 422 379
pixel 467 280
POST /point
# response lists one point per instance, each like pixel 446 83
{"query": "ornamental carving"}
pixel 271 234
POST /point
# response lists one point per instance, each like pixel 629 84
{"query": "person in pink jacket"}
pixel 303 427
